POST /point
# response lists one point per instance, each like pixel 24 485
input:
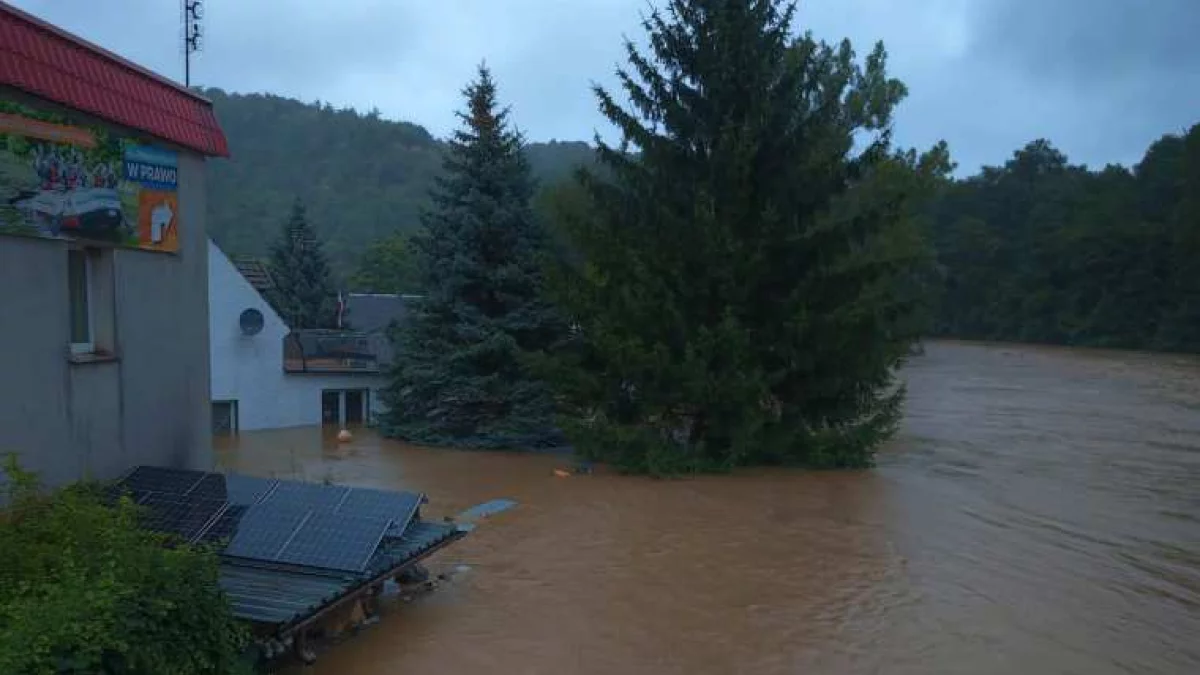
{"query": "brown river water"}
pixel 1038 513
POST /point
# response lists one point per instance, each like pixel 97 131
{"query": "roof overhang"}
pixel 47 62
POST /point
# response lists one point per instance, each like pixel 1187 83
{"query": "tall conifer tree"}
pixel 461 376
pixel 742 275
pixel 304 293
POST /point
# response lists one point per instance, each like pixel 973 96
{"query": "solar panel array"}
pixel 306 495
pixel 398 507
pixel 263 532
pixel 277 521
pixel 247 490
pixel 334 541
pixel 225 526
pixel 158 479
pixel 178 514
pixel 211 486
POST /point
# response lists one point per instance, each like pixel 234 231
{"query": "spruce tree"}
pixel 304 293
pixel 742 274
pixel 461 376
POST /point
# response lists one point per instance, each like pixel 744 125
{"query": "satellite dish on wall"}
pixel 251 321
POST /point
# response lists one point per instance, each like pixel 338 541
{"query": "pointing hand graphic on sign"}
pixel 160 220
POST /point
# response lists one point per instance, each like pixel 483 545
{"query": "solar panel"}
pixel 399 507
pixel 178 514
pixel 335 541
pixel 331 527
pixel 247 490
pixel 225 526
pixel 306 495
pixel 211 486
pixel 263 531
pixel 159 479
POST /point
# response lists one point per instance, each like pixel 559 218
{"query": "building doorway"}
pixel 224 418
pixel 356 408
pixel 345 406
pixel 331 407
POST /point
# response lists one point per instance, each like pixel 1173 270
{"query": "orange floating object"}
pixel 561 474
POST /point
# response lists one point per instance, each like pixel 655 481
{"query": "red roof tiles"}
pixel 52 64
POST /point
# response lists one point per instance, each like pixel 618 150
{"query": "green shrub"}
pixel 83 589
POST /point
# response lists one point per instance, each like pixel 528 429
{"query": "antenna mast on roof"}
pixel 193 14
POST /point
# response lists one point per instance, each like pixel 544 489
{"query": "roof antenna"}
pixel 192 14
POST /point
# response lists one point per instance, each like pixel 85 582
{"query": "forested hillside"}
pixel 360 176
pixel 1040 250
pixel 1036 250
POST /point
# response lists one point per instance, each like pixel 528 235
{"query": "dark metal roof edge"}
pixel 285 567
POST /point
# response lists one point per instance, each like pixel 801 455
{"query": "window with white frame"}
pixel 79 283
pixel 90 301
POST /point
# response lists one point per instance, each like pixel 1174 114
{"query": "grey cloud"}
pixel 1082 44
pixel 1100 78
pixel 303 45
pixel 294 46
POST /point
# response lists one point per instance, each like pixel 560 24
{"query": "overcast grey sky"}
pixel 1100 78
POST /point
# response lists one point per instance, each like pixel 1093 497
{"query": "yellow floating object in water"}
pixel 344 436
pixel 561 474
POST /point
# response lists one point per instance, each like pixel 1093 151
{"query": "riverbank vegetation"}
pixel 1041 250
pixel 83 589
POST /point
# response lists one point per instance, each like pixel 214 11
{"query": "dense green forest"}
pixel 1037 249
pixel 1040 250
pixel 360 176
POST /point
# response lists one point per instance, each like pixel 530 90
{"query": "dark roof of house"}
pixel 50 63
pixel 374 312
pixel 256 272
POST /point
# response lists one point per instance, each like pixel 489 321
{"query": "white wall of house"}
pixel 249 368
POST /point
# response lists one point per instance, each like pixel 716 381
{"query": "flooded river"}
pixel 1039 513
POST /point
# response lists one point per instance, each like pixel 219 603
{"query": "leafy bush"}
pixel 83 589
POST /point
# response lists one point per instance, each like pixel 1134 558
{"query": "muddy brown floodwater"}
pixel 1038 513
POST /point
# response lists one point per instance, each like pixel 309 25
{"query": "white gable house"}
pixel 266 376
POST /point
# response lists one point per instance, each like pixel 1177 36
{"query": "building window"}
pixel 91 301
pixel 79 282
pixel 345 406
pixel 225 417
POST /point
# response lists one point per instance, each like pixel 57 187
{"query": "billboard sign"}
pixel 74 182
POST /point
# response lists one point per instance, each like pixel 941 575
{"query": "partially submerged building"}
pixel 103 258
pixel 268 375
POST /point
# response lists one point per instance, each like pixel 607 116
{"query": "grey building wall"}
pixel 148 405
pixel 34 403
